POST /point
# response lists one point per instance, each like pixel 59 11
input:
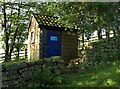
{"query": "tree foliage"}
pixel 89 17
pixel 15 20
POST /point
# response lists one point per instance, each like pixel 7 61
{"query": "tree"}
pixel 14 23
pixel 89 17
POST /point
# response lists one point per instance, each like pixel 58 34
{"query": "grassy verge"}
pixel 15 61
pixel 103 75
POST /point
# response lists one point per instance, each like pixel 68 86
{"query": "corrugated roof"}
pixel 51 21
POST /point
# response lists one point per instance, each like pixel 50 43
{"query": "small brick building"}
pixel 50 37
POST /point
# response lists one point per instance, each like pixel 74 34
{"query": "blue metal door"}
pixel 53 43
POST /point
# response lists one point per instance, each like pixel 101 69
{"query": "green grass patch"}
pixel 16 61
pixel 102 75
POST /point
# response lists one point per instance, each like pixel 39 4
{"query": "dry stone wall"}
pixel 15 74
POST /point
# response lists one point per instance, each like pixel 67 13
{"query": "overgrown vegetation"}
pixel 99 66
pixel 49 74
pixel 103 50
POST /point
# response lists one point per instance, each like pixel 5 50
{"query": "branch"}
pixel 15 34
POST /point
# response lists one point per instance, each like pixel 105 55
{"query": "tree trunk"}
pixel 114 32
pixel 15 34
pixel 6 35
pixel 83 39
pixel 25 53
pixel 6 48
pixel 117 30
pixel 13 43
pixel 18 52
pixel 99 34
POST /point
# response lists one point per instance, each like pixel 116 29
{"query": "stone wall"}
pixel 15 74
pixel 33 41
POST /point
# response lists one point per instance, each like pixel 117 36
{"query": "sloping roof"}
pixel 51 21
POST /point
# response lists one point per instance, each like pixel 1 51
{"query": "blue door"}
pixel 53 43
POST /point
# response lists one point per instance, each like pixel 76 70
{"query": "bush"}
pixel 49 74
pixel 103 50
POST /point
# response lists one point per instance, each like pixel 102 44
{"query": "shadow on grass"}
pixel 105 75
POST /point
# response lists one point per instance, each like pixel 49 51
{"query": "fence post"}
pixel 25 53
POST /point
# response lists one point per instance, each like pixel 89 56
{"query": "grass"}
pixel 106 74
pixel 15 61
pixel 103 75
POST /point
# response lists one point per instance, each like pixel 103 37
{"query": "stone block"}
pixel 22 70
pixel 27 73
pixel 31 68
pixel 30 64
pixel 14 77
pixel 5 78
pixel 38 62
pixel 11 67
pixel 9 83
pixel 22 65
pixel 4 84
pixel 9 73
pixel 27 78
pixel 3 67
pixel 37 67
pixel 0 67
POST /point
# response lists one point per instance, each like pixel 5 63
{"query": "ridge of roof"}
pixel 50 21
pixel 44 15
